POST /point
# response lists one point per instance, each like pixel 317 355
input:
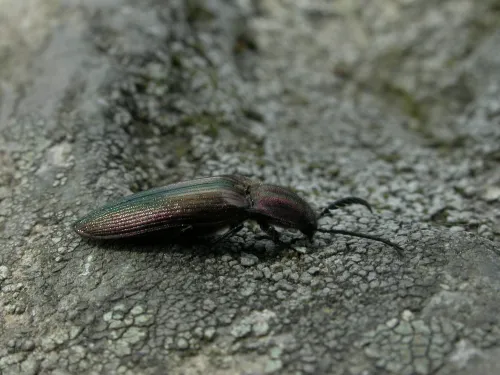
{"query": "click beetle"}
pixel 210 205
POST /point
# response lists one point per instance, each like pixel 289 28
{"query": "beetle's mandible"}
pixel 207 206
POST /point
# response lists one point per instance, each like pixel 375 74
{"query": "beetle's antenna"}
pixel 398 248
pixel 342 202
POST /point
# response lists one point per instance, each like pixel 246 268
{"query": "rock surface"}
pixel 393 101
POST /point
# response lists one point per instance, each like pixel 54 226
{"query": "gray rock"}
pixel 395 102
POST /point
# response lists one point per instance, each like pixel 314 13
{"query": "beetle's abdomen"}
pixel 207 202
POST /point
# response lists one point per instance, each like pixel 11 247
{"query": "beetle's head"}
pixel 282 207
pixel 309 228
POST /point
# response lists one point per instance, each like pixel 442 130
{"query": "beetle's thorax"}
pixel 281 207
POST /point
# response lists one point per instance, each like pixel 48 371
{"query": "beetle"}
pixel 212 206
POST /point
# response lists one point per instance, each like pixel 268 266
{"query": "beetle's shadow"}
pixel 150 243
pixel 158 243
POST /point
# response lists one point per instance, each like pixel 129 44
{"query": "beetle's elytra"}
pixel 207 206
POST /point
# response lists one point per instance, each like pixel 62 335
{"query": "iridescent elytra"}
pixel 209 206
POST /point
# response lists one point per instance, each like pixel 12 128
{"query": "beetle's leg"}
pixel 185 229
pixel 182 231
pixel 275 236
pixel 232 231
pixel 342 202
pixel 271 232
pixel 178 234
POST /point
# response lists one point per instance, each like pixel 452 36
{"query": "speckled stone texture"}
pixel 395 101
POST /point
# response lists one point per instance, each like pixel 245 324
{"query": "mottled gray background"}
pixel 396 101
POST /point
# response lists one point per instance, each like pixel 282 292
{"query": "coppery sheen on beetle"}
pixel 210 205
